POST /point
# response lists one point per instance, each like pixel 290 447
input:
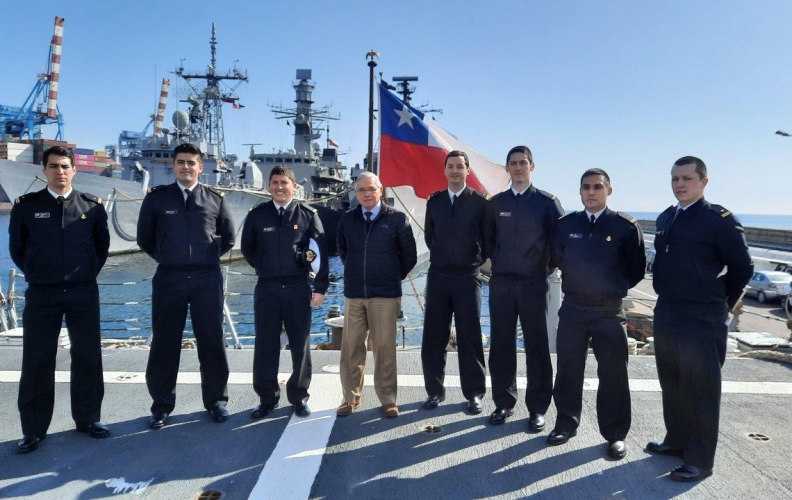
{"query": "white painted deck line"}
pixel 291 469
pixel 323 379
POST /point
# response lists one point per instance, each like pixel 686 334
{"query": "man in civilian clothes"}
pixel 453 230
pixel 601 256
pixel 519 229
pixel 377 247
pixel 58 237
pixel 186 227
pixel 701 268
pixel 282 239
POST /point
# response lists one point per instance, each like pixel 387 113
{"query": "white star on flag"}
pixel 405 116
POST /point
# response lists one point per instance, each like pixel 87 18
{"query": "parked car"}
pixel 768 285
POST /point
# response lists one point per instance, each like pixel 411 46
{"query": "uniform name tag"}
pixel 268 229
pixel 171 212
pixel 575 236
pixel 42 215
pixel 658 233
pixel 505 214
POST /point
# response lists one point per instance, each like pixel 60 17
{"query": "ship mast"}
pixel 206 101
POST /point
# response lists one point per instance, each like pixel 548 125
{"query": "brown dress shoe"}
pixel 390 410
pixel 346 409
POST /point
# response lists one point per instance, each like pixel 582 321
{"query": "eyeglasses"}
pixel 368 190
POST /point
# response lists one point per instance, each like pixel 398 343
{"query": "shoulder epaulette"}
pixel 549 195
pixel 498 195
pixel 24 197
pixel 628 217
pixel 435 194
pixel 257 205
pixel 90 197
pixel 483 195
pixel 569 215
pixel 157 188
pixel 307 207
pixel 216 191
pixel 720 211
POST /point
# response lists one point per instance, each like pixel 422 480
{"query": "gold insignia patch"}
pixel 100 201
pixel 310 255
pixel 83 216
pixel 222 194
pixel 726 214
pixel 296 227
pixel 608 238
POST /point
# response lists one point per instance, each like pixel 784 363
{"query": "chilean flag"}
pixel 412 152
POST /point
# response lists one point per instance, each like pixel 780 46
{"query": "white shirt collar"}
pixel 595 214
pixel 55 195
pixel 188 187
pixel 451 194
pixel 374 211
pixel 520 192
pixel 284 206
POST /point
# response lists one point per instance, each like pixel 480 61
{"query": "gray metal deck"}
pixel 370 457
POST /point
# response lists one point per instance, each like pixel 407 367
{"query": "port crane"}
pixel 41 106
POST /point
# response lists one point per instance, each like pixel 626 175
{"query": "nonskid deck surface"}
pixel 367 456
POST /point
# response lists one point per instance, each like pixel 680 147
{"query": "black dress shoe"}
pixel 475 406
pixel 432 402
pixel 301 409
pixel 536 422
pixel 659 448
pixel 560 437
pixel 689 473
pixel 219 414
pixel 157 420
pixel 262 410
pixel 500 415
pixel 95 430
pixel 617 449
pixel 30 443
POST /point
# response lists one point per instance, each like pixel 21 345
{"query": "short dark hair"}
pixel 701 169
pixel 282 170
pixel 595 171
pixel 57 151
pixel 188 148
pixel 457 153
pixel 520 149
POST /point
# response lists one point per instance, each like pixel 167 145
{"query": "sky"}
pixel 621 85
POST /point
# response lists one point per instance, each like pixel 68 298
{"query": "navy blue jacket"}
pixel 54 243
pixel 599 266
pixel 376 256
pixel 518 234
pixel 691 255
pixel 455 235
pixel 177 236
pixel 270 245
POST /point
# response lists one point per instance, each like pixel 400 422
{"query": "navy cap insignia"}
pixel 42 215
pixel 310 255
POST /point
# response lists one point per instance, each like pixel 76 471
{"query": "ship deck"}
pixel 367 456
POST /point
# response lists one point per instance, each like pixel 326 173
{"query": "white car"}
pixel 768 285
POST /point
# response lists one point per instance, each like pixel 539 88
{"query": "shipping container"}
pixel 83 151
pixel 103 154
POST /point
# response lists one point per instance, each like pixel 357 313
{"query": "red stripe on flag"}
pixel 422 167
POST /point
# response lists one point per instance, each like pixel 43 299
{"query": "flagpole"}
pixel 372 63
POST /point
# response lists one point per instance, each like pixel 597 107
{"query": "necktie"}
pixel 61 199
pixel 280 216
pixel 187 196
pixel 453 205
pixel 592 221
pixel 368 217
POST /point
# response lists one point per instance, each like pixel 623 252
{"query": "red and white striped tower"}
pixel 54 76
pixel 161 107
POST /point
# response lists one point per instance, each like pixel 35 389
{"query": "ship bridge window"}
pixel 270 160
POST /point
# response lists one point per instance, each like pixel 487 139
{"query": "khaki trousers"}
pixel 373 319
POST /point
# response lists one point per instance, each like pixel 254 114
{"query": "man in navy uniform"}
pixel 519 229
pixel 59 238
pixel 701 267
pixel 377 247
pixel 601 256
pixel 283 239
pixel 186 227
pixel 453 230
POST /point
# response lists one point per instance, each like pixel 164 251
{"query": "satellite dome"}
pixel 317 146
pixel 181 120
